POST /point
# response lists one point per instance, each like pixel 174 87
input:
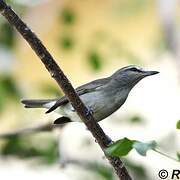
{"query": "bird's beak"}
pixel 150 73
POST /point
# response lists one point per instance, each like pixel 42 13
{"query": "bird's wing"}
pixel 63 100
pixel 86 88
pixel 91 86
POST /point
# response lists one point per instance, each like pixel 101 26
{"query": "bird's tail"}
pixel 38 103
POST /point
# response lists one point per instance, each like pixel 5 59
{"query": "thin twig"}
pixel 27 130
pixel 65 84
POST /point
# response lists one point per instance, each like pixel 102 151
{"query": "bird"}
pixel 102 96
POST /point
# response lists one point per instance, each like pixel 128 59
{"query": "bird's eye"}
pixel 135 69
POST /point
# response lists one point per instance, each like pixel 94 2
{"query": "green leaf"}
pixel 66 42
pixel 7 35
pixel 142 147
pixel 178 156
pixel 9 91
pixel 178 125
pixel 136 119
pixel 120 148
pixel 68 16
pixel 95 60
pixel 9 88
pixel 23 147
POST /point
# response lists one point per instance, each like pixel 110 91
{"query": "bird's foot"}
pixel 109 141
pixel 89 110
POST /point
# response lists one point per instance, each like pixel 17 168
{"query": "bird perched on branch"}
pixel 102 96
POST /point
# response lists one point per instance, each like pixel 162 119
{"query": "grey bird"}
pixel 102 96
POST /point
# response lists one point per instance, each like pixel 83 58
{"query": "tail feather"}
pixel 36 103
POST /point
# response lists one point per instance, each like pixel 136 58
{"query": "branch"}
pixel 65 85
pixel 37 128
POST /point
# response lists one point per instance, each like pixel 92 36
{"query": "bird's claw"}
pixel 109 140
pixel 89 111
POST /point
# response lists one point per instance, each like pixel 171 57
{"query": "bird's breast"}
pixel 104 103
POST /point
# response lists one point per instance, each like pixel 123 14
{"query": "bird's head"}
pixel 129 76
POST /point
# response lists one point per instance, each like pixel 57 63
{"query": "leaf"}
pixel 24 147
pixel 9 91
pixel 178 125
pixel 8 87
pixel 136 119
pixel 7 35
pixel 142 147
pixel 120 148
pixel 68 16
pixel 66 42
pixel 95 60
pixel 178 156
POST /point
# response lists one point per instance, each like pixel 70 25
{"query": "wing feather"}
pixel 86 88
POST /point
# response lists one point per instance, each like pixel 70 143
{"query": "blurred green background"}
pixel 90 39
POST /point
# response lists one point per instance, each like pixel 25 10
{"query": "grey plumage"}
pixel 102 96
pixel 36 103
pixel 86 88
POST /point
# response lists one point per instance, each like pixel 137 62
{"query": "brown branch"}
pixel 45 127
pixel 66 86
pixel 36 128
